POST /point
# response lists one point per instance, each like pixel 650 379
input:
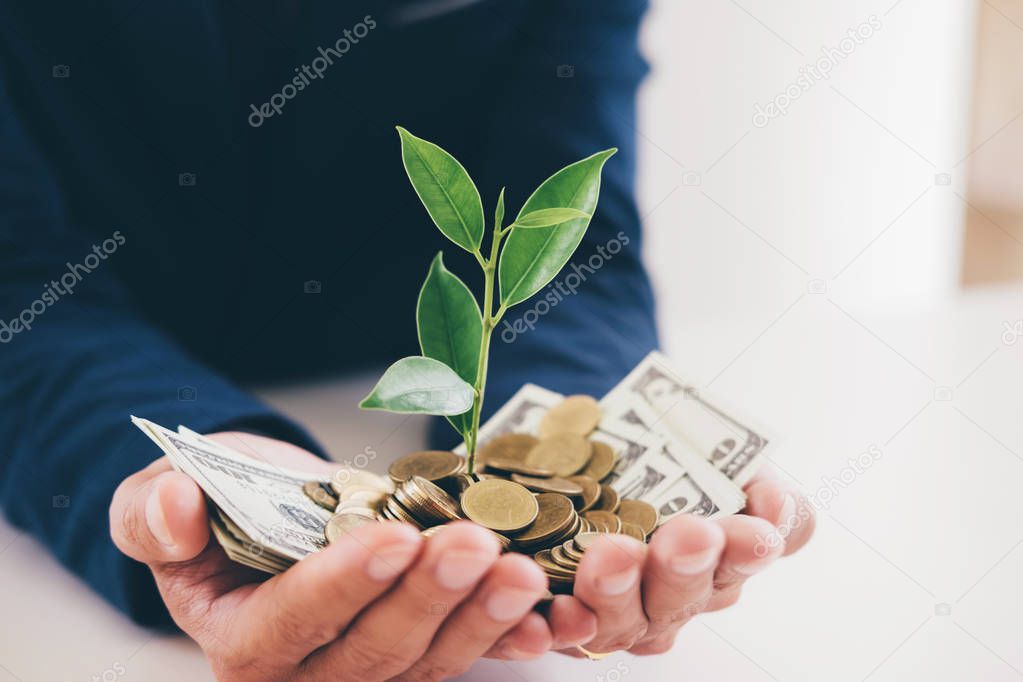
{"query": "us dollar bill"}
pixel 261 511
pixel 672 475
pixel 732 444
pixel 653 466
pixel 521 414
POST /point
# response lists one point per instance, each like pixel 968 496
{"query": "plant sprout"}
pixel 450 376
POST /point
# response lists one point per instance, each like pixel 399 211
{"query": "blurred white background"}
pixel 808 271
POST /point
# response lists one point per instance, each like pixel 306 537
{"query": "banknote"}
pixel 652 465
pixel 521 414
pixel 732 444
pixel 264 501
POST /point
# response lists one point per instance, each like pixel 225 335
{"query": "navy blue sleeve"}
pixel 569 90
pixel 77 359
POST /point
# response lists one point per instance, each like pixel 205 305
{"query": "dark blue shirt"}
pixel 199 194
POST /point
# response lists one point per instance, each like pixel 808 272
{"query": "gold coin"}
pixel 359 506
pixel 543 557
pixel 426 502
pixel 563 453
pixel 609 499
pixel 355 490
pixel 634 531
pixel 366 495
pixel 513 446
pixel 575 528
pixel 563 560
pixel 584 541
pixel 562 486
pixel 321 493
pixel 432 465
pixel 601 463
pixel 604 521
pixel 345 477
pixel 400 513
pixel 555 515
pixel 578 414
pixel 500 505
pixel 556 538
pixel 550 567
pixel 341 524
pixel 591 492
pixel 569 549
pixel 512 466
pixel 640 513
pixel 456 484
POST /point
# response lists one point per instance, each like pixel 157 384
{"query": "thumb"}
pixel 158 516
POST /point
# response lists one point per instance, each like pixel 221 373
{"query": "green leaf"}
pixel 418 385
pixel 547 217
pixel 531 258
pixel 499 211
pixel 450 326
pixel 446 190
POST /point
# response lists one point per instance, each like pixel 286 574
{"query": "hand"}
pixel 643 594
pixel 381 602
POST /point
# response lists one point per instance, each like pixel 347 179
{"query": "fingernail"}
pixel 618 583
pixel 788 510
pixel 507 604
pixel 155 519
pixel 457 570
pixel 693 564
pixel 388 562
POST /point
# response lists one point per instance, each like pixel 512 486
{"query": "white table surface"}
pixel 913 575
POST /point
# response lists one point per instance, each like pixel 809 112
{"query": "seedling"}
pixel 450 376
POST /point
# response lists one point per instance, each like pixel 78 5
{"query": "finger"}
pixel 607 582
pixel 679 576
pixel 397 629
pixel 529 639
pixel 572 623
pixel 512 587
pixel 745 555
pixel 311 603
pixel 158 516
pixel 785 507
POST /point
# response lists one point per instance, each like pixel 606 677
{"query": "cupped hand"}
pixel 643 594
pixel 380 603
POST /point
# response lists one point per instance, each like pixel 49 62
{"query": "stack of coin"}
pixel 421 503
pixel 541 496
pixel 561 561
pixel 556 521
pixel 433 465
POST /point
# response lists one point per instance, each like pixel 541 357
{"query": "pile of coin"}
pixel 544 495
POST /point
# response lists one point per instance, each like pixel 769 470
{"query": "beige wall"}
pixel 993 249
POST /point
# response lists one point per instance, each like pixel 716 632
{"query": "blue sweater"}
pixel 196 195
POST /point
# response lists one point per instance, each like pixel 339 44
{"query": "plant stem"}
pixel 490 320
